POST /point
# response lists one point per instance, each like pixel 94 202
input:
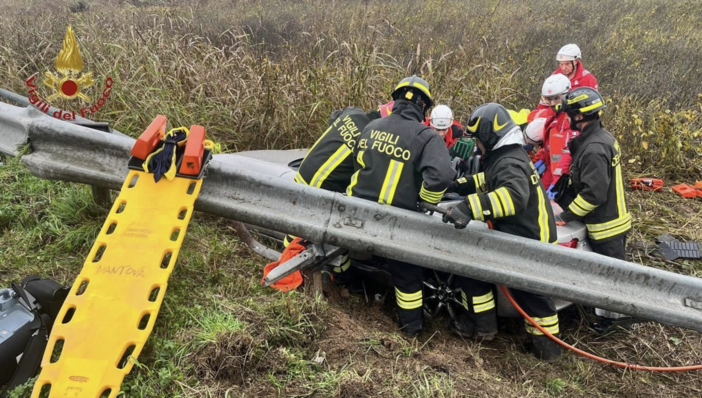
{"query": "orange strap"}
pixel 294 280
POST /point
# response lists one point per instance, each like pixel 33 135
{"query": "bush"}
pixel 267 74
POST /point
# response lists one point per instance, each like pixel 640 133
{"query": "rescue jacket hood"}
pixel 408 110
pixel 512 137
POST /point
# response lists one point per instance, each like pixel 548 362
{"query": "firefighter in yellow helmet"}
pixel 400 162
pixel 508 194
pixel 597 187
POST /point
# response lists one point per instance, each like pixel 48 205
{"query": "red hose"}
pixel 592 356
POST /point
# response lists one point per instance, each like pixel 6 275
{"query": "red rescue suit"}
pixel 581 78
pixel 554 151
pixel 455 132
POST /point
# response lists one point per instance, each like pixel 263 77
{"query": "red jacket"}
pixel 452 136
pixel 554 151
pixel 581 78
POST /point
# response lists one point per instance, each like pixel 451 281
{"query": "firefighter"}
pixel 571 65
pixel 508 194
pixel 399 162
pixel 329 165
pixel 598 186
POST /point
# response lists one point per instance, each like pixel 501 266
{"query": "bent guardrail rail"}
pixel 71 153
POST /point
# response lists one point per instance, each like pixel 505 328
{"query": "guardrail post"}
pixel 101 196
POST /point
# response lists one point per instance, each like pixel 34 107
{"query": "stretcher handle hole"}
pixel 166 259
pixel 133 181
pixel 56 351
pixel 69 315
pixel 175 233
pixel 121 207
pixel 45 391
pixel 82 287
pixel 111 228
pixel 144 322
pixel 106 393
pixel 191 188
pixel 98 254
pixel 183 212
pixel 154 294
pixel 124 360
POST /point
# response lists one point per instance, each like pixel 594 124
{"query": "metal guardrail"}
pixel 71 153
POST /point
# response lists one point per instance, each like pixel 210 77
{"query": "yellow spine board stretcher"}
pixel 112 307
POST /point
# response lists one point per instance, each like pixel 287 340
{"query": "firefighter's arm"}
pixel 436 170
pixel 469 184
pixel 595 178
pixel 509 194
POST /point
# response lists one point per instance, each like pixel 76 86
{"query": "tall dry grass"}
pixel 266 74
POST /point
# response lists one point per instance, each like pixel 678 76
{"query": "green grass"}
pixel 267 74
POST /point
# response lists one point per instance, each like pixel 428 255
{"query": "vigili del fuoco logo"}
pixel 69 83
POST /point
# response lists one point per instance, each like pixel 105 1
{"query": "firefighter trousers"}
pixel 407 280
pixel 615 248
pixel 479 299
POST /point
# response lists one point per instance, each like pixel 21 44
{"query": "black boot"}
pixel 544 348
pixel 464 326
pixel 412 329
pixel 482 326
pixel 605 326
pixel 486 324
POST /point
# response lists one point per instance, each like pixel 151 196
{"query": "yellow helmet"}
pixel 412 89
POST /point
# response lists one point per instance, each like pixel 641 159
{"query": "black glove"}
pixel 452 186
pixel 459 215
pixel 559 219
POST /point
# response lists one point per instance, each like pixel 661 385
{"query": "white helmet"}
pixel 569 52
pixel 534 132
pixel 441 117
pixel 555 85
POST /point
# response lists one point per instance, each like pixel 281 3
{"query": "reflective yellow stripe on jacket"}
pixel 392 177
pixel 476 207
pixel 609 229
pixel 479 180
pixel 430 196
pixel 622 223
pixel 544 229
pixel 330 165
pixel 581 206
pixel 354 177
